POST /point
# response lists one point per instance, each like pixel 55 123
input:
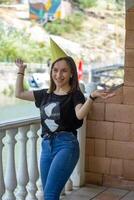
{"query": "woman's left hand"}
pixel 104 94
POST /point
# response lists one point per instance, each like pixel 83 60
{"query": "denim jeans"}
pixel 59 156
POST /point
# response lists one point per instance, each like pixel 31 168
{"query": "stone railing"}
pixel 19 152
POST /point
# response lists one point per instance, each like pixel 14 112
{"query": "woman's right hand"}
pixel 20 64
pixel 20 92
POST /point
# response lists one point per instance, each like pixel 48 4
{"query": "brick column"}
pixel 110 126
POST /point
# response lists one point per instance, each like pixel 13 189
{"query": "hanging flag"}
pixel 80 69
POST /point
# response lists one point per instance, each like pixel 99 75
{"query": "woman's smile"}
pixel 61 73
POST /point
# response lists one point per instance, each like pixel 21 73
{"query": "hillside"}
pixel 101 38
pixel 103 35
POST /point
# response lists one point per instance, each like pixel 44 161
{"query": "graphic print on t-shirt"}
pixel 51 114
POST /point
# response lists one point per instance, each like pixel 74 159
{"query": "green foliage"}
pixel 15 44
pixel 68 25
pixel 9 91
pixel 6 1
pixel 26 85
pixel 86 3
pixel 119 4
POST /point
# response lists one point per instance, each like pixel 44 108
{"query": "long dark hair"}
pixel 73 80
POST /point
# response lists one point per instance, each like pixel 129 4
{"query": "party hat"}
pixel 57 51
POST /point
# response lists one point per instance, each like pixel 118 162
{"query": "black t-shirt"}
pixel 58 111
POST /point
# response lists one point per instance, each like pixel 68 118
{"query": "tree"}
pixel 7 1
pixel 119 3
pixel 85 3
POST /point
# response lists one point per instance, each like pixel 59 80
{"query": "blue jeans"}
pixel 59 156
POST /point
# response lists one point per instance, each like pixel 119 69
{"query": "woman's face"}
pixel 61 74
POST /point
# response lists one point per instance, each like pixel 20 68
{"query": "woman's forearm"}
pixel 19 89
pixel 83 110
pixel 19 84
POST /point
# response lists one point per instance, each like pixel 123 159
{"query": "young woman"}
pixel 63 108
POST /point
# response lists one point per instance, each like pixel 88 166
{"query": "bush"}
pixel 86 3
pixel 70 24
pixel 6 1
pixel 9 91
pixel 26 85
pixel 15 44
pixel 119 4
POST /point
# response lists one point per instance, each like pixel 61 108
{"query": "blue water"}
pixel 12 109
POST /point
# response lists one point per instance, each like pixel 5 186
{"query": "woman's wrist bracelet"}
pixel 93 98
pixel 21 73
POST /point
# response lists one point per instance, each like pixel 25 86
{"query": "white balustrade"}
pixel 2 185
pixel 10 176
pixel 27 183
pixel 62 193
pixel 69 186
pixel 33 163
pixel 22 172
pixel 39 194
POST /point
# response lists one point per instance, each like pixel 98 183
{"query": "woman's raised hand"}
pixel 20 64
pixel 104 94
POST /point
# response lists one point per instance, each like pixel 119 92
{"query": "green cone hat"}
pixel 57 51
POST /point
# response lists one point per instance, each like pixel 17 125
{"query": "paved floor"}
pixel 99 193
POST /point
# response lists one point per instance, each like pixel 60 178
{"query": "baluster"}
pixel 33 164
pixel 10 175
pixel 62 195
pixel 40 195
pixel 69 185
pixel 22 173
pixel 2 185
